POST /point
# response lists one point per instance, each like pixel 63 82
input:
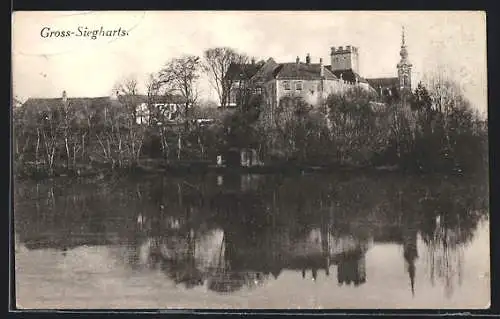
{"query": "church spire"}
pixel 403 44
pixel 404 51
pixel 404 66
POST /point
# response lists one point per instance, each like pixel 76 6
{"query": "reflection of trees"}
pixel 264 225
pixel 179 264
pixel 245 258
pixel 450 218
pixel 444 256
pixel 351 268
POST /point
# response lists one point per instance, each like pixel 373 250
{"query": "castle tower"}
pixel 345 58
pixel 404 67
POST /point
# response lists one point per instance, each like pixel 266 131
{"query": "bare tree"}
pixel 127 85
pixel 128 89
pixel 50 133
pixel 446 96
pixel 157 116
pixel 132 141
pixel 153 86
pixel 181 76
pixel 216 65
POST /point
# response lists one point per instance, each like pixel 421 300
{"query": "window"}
pixel 287 85
pixel 298 86
pixel 258 90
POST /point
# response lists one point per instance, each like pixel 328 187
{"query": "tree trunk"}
pixel 37 147
pixel 83 147
pixel 68 155
pixel 104 150
pixel 119 151
pixel 201 148
pixel 74 156
pixel 109 153
pixel 51 161
pixel 179 146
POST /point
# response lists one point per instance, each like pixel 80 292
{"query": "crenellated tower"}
pixel 345 58
pixel 404 67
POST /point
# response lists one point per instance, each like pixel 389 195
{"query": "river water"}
pixel 312 241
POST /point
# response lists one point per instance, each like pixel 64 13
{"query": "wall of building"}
pixel 345 58
pixel 169 110
pixel 311 90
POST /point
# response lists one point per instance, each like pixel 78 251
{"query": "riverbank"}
pixel 160 167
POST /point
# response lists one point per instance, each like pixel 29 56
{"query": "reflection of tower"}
pixel 325 247
pixel 410 252
pixel 352 268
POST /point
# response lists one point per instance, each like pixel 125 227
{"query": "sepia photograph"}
pixel 250 160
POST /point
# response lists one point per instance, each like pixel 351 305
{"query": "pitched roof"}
pixel 302 71
pixel 265 73
pixel 169 98
pixel 95 102
pixel 347 75
pixel 383 82
pixel 242 71
pixel 50 103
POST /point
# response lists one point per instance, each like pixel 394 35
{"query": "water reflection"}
pixel 234 232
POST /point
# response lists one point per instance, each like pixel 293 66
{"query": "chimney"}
pixel 321 68
pixel 332 50
pixel 341 48
pixel 297 60
pixel 308 58
pixel 348 48
pixel 64 97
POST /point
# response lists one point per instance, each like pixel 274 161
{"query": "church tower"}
pixel 404 67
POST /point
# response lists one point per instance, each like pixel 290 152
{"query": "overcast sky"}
pixel 44 67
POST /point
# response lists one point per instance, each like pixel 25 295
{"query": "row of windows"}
pixel 288 87
pixel 235 93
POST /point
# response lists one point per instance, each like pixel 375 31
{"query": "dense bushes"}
pixel 428 132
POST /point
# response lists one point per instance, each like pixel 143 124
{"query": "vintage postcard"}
pixel 250 160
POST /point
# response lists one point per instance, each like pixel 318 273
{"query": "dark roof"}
pixel 266 72
pixel 95 102
pixel 347 75
pixel 383 82
pixel 41 104
pixel 302 71
pixel 169 98
pixel 239 71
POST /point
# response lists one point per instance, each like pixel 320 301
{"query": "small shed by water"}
pixel 244 157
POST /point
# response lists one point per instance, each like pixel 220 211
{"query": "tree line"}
pixel 70 135
pixel 434 128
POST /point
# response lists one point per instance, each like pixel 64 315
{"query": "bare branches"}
pixel 216 64
pixel 181 75
pixel 127 85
